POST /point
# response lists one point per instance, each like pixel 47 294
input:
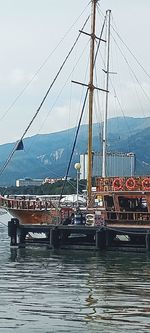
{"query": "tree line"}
pixel 46 189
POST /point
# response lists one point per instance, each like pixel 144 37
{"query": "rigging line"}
pixel 127 47
pixel 86 95
pixel 121 108
pixel 144 92
pixel 98 46
pixel 54 80
pixel 74 144
pixel 100 37
pixel 56 175
pixel 84 80
pixel 80 103
pixel 43 100
pixel 74 187
pixel 76 64
pixel 146 95
pixel 116 96
pixel 98 114
pixel 133 55
pixel 59 94
pixel 119 103
pixel 44 166
pixel 41 66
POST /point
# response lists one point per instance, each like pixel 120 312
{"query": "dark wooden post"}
pixel 108 238
pixel 147 240
pixel 13 230
pixel 100 239
pixel 54 238
pixel 22 236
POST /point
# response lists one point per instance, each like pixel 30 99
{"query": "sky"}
pixel 35 37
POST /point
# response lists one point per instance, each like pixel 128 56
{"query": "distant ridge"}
pixel 47 155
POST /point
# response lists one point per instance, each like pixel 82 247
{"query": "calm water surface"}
pixel 72 291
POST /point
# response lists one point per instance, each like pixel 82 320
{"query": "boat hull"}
pixel 31 211
pixel 35 216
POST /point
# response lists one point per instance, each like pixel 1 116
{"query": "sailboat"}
pixel 117 202
pixel 47 211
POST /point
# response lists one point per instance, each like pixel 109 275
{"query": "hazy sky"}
pixel 30 31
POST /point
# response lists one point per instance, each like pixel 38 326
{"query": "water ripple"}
pixel 72 291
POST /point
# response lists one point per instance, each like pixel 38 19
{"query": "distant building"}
pixel 36 182
pixel 84 166
pixel 117 164
pixel 29 182
pixel 51 180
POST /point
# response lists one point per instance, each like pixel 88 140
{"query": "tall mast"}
pixel 91 91
pixel 108 13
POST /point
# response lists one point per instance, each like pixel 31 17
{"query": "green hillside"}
pixel 47 155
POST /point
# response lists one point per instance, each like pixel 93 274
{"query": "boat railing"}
pixel 28 204
pixel 128 216
pixel 123 184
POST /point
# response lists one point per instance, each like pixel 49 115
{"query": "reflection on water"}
pixel 72 291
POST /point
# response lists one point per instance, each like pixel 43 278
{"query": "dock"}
pixel 98 238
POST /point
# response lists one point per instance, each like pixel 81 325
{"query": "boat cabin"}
pixel 124 199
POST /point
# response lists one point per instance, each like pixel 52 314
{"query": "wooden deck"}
pixel 99 238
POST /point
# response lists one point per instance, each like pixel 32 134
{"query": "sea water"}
pixel 72 291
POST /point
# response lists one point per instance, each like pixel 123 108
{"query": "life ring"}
pixel 146 184
pixel 117 184
pixel 131 184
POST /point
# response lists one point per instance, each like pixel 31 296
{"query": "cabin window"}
pixel 110 208
pixel 109 203
pixel 133 204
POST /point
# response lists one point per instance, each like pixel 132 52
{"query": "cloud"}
pixel 18 76
pixel 31 31
pixel 132 99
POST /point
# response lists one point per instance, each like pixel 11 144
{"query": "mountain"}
pixel 47 155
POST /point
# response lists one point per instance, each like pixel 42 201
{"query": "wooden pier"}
pixel 98 238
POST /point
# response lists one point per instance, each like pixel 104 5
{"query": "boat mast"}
pixel 91 92
pixel 108 13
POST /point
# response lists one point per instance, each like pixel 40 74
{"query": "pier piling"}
pixel 79 236
pixel 13 231
pixel 54 238
pixel 100 239
pixel 147 240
